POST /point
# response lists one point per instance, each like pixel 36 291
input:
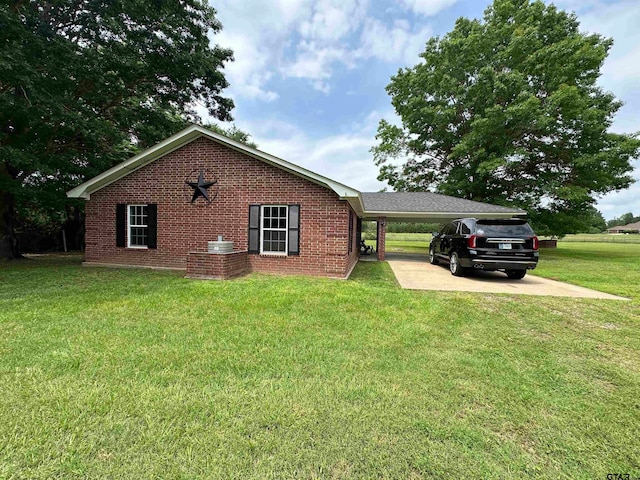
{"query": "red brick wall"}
pixel 382 234
pixel 216 266
pixel 184 227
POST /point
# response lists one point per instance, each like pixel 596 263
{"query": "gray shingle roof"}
pixel 427 202
pixel 628 226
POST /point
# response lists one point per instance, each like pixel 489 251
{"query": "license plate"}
pixel 504 246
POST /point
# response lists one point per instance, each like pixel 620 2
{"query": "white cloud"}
pixel 398 43
pixel 257 32
pixel 344 157
pixel 428 7
pixel 332 20
pixel 306 39
pixel 314 61
pixel 249 72
pixel 325 40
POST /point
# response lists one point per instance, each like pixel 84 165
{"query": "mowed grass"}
pixel 109 373
pixel 407 242
pixel 611 268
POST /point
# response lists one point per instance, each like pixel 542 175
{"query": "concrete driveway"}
pixel 414 272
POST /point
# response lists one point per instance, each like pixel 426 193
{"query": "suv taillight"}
pixel 535 243
pixel 471 241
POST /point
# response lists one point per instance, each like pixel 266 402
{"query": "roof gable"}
pixel 188 135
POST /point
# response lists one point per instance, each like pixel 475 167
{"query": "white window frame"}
pixel 285 229
pixel 130 226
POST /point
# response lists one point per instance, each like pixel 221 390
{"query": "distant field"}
pixel 603 237
pixel 403 242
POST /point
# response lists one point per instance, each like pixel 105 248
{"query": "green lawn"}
pixel 611 268
pixel 109 373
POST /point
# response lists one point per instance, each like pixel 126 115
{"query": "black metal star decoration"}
pixel 200 187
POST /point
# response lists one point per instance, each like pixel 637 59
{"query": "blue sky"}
pixel 309 77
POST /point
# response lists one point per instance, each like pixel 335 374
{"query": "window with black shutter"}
pixel 137 225
pixel 274 229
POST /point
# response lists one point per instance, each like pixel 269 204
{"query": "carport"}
pixel 414 272
pixel 422 207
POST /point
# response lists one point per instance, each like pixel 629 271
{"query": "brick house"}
pixel 629 228
pixel 161 209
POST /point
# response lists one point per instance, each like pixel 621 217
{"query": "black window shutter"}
pixel 152 225
pixel 254 229
pixel 121 224
pixel 294 230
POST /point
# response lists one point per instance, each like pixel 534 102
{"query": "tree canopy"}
pixel 86 83
pixel 507 110
pixel 232 132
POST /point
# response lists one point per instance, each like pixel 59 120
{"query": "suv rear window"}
pixel 508 230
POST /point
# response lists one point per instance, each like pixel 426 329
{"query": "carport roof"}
pixel 429 205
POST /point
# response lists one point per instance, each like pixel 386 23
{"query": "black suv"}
pixel 508 245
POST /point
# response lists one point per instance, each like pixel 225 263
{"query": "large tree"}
pixel 507 110
pixel 84 83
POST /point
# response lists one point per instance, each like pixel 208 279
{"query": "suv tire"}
pixel 432 256
pixel 516 274
pixel 454 265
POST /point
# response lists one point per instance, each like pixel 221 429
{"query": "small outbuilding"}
pixel 213 207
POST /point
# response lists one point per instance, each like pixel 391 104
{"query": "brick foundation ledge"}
pixel 217 266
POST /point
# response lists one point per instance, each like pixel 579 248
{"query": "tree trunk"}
pixel 9 248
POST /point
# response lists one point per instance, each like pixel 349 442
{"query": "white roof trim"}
pixel 188 135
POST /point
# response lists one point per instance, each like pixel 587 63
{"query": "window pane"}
pixel 274 225
pixel 138 236
pixel 138 215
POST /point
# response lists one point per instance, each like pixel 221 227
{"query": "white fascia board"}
pixel 188 135
pixel 357 204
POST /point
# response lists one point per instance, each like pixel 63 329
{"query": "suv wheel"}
pixel 454 265
pixel 432 256
pixel 516 274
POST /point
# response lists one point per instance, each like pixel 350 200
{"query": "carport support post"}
pixel 380 237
